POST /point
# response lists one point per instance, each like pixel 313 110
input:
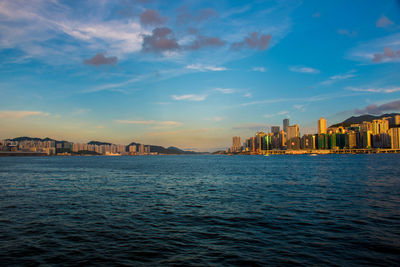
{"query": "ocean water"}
pixel 341 210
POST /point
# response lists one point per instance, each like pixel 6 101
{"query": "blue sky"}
pixel 192 74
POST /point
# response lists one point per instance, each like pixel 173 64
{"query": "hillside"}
pixel 361 118
pixel 163 150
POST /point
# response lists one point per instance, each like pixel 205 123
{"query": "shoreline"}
pixel 321 152
pixel 265 153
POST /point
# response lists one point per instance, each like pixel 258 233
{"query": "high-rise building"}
pixel 395 137
pixel 397 119
pixel 294 143
pixel 275 130
pixel 366 126
pixel 293 131
pixel 380 126
pixel 132 149
pixel 366 139
pixel 307 141
pixel 141 149
pixel 236 145
pixel 285 125
pixel 260 140
pixel 321 126
pixel 351 140
pixel 282 138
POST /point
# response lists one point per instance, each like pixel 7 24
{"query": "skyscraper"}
pixel 321 126
pixel 397 119
pixel 395 137
pixel 141 149
pixel 293 131
pixel 275 130
pixel 285 124
pixel 236 145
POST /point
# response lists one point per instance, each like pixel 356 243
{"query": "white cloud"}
pixel 276 114
pixel 338 77
pixel 18 114
pixel 347 32
pixel 374 51
pixel 252 126
pixel 225 90
pixel 260 69
pixel 383 22
pixel 200 67
pixel 189 97
pixel 36 26
pixel 375 90
pixel 150 122
pixel 249 95
pixel 316 15
pixel 300 107
pixel 216 119
pixel 304 69
pixel 80 111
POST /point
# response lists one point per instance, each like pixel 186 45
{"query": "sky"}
pixel 192 74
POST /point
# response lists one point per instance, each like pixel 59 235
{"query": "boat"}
pixel 313 155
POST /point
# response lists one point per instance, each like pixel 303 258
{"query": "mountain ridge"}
pixel 360 119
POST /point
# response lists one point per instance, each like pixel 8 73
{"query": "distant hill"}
pixel 26 138
pixel 361 118
pixel 163 150
pixel 99 143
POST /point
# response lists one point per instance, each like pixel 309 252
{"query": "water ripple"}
pixel 336 210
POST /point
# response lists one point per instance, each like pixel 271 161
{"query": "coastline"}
pixel 266 153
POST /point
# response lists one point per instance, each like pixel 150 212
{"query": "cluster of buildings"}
pixel 51 147
pixel 379 134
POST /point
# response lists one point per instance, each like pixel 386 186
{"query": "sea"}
pixel 200 210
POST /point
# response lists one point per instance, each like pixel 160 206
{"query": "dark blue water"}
pixel 200 210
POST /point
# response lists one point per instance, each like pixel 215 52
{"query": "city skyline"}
pixel 192 74
pixel 371 133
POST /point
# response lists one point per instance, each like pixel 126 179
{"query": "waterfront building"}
pixel 248 145
pixel 285 125
pixel 282 139
pixel 321 126
pixel 380 126
pixel 75 147
pixel 236 144
pixel 132 149
pixel 307 141
pixel 293 131
pixel 397 120
pixel 293 143
pixel 268 141
pixel 141 149
pixel 395 137
pixel 366 139
pixel 121 148
pixel 275 130
pixel 276 142
pixel 351 140
pixel 366 126
pixel 260 140
pixel 340 140
pixel 322 141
